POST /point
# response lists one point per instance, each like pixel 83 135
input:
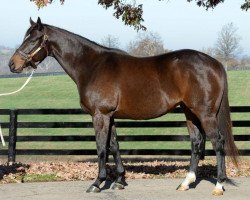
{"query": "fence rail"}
pixel 13 138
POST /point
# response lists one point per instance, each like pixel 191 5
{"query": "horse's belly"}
pixel 143 106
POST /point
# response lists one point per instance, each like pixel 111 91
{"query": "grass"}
pixel 40 178
pixel 61 92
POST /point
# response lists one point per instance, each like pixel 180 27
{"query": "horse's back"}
pixel 150 87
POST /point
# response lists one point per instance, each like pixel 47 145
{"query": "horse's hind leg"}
pixel 211 129
pixel 114 149
pixel 197 143
pixel 101 124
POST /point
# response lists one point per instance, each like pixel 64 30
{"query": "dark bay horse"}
pixel 113 84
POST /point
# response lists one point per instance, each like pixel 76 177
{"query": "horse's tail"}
pixel 225 126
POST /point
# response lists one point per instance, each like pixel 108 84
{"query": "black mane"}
pixel 85 41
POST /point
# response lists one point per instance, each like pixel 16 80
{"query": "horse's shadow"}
pixel 16 168
pixel 198 180
pixel 205 172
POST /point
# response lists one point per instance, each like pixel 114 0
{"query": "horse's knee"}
pixel 197 141
pixel 113 148
pixel 101 153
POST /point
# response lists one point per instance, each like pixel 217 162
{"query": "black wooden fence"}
pixel 13 125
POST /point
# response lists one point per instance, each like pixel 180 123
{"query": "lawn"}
pixel 61 92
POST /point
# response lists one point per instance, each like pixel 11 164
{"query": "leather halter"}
pixel 29 57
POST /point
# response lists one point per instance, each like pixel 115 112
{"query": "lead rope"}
pixel 10 93
pixel 1 135
pixel 27 81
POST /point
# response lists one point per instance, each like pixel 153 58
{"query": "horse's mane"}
pixel 85 41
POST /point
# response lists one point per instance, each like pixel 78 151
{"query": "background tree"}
pixel 209 51
pixel 110 41
pixel 132 14
pixel 227 46
pixel 146 44
pixel 245 61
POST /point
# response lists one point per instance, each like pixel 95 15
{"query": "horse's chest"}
pixel 102 100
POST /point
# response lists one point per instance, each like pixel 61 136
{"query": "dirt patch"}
pixel 70 171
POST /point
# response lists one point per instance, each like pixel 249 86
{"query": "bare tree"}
pixel 49 65
pixel 209 51
pixel 110 41
pixel 227 46
pixel 146 44
pixel 5 55
pixel 245 61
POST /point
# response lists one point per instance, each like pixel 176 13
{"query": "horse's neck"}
pixel 72 53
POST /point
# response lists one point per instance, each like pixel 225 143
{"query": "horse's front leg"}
pixel 101 125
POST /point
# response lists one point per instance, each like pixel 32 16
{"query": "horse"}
pixel 115 85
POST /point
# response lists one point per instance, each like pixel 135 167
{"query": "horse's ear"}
pixel 39 24
pixel 32 23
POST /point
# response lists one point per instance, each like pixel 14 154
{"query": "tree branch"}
pixel 246 5
pixel 132 14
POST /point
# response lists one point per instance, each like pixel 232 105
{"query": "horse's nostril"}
pixel 11 63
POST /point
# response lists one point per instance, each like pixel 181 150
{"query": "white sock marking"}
pixel 219 186
pixel 190 178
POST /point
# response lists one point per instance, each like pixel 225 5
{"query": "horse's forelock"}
pixel 28 31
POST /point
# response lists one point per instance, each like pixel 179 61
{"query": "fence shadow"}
pixel 136 159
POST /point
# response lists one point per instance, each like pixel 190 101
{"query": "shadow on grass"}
pixel 14 169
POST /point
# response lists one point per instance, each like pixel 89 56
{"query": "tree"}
pixel 245 61
pixel 131 13
pixel 110 41
pixel 227 46
pixel 146 44
pixel 209 51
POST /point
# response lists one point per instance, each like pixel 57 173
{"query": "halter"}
pixel 29 57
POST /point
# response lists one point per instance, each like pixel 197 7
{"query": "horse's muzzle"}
pixel 11 65
pixel 13 68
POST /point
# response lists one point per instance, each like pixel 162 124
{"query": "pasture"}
pixel 61 92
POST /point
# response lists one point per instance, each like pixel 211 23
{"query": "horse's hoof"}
pixel 117 186
pixel 182 187
pixel 93 189
pixel 217 192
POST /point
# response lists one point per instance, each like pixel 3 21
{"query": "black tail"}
pixel 225 127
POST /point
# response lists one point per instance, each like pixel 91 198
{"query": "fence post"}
pixel 12 137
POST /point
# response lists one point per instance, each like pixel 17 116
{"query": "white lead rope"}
pixel 27 81
pixel 10 93
pixel 1 135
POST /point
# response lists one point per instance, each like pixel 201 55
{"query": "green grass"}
pixel 239 88
pixel 40 178
pixel 41 92
pixel 61 92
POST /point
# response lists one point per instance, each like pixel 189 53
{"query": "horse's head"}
pixel 33 50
